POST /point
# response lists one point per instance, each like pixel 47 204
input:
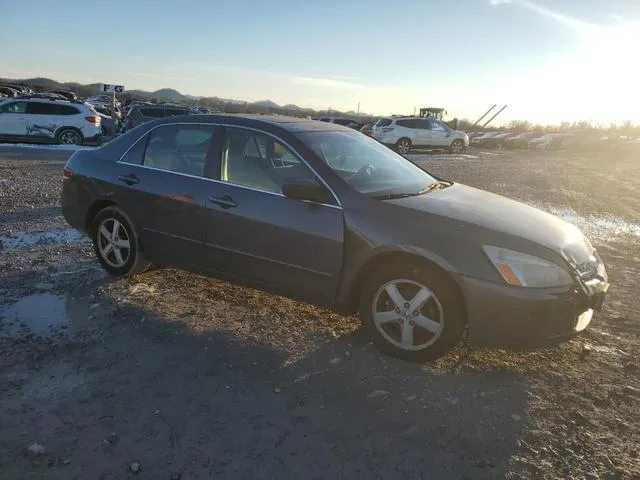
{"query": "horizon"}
pixel 569 61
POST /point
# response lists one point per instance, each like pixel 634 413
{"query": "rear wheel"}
pixel 457 146
pixel 69 136
pixel 412 312
pixel 116 244
pixel 403 146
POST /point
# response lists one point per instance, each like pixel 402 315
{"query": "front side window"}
pixel 436 125
pixel 255 160
pixel 14 107
pixel 179 148
pixel 366 165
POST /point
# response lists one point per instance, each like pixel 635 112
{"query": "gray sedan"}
pixel 326 215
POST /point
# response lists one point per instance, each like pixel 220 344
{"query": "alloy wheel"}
pixel 407 314
pixel 114 242
pixel 69 137
pixel 404 146
pixel 457 147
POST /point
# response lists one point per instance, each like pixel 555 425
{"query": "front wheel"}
pixel 116 244
pixel 403 146
pixel 412 312
pixel 457 146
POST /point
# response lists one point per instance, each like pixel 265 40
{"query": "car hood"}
pixel 468 205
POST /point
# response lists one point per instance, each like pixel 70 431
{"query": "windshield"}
pixel 366 165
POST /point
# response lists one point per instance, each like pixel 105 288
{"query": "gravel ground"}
pixel 173 375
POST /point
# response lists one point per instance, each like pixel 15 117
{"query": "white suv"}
pixel 25 119
pixel 405 133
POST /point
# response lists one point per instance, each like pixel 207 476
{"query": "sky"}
pixel 548 60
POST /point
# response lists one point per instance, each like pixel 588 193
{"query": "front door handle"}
pixel 130 179
pixel 225 201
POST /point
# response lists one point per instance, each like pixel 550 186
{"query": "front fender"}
pixel 352 270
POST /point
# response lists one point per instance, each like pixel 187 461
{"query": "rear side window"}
pixel 66 110
pixel 408 123
pixel 152 112
pixel 383 122
pixel 37 108
pixel 179 148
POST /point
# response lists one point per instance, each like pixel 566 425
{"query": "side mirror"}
pixel 306 189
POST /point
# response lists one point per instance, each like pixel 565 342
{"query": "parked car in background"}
pixel 19 88
pixel 45 96
pixel 138 115
pixel 477 140
pixel 520 140
pixel 367 128
pixel 108 126
pixel 405 133
pixel 66 94
pixel 9 92
pixel 324 214
pixel 497 141
pixel 345 122
pixel 108 111
pixel 41 120
pixel 551 141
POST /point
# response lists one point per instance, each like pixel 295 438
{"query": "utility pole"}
pixel 113 112
pixel 358 113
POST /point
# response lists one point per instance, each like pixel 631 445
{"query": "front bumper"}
pixel 512 317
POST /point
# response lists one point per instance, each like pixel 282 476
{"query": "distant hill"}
pixel 171 95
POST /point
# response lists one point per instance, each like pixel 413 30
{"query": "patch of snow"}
pixel 54 235
pixel 593 226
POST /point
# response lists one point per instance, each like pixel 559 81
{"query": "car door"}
pixel 408 130
pixel 439 135
pixel 162 184
pixel 255 232
pixel 43 119
pixel 13 120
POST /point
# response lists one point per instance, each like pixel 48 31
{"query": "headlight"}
pixel 522 270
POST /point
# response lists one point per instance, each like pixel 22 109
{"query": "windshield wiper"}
pixel 392 196
pixel 437 185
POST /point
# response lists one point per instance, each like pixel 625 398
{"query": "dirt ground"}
pixel 175 376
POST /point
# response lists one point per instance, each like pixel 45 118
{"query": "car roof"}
pixel 290 124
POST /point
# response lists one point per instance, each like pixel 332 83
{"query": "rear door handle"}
pixel 225 201
pixel 130 179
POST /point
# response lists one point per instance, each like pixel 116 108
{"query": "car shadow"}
pixel 125 384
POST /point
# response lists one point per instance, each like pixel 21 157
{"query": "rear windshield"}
pixel 383 122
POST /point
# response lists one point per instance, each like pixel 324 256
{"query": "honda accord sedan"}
pixel 324 214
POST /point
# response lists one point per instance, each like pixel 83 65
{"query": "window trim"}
pixel 338 204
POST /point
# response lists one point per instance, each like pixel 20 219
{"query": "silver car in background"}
pixel 405 133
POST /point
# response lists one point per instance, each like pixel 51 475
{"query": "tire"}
pixel 69 136
pixel 457 146
pixel 403 146
pixel 130 260
pixel 436 326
